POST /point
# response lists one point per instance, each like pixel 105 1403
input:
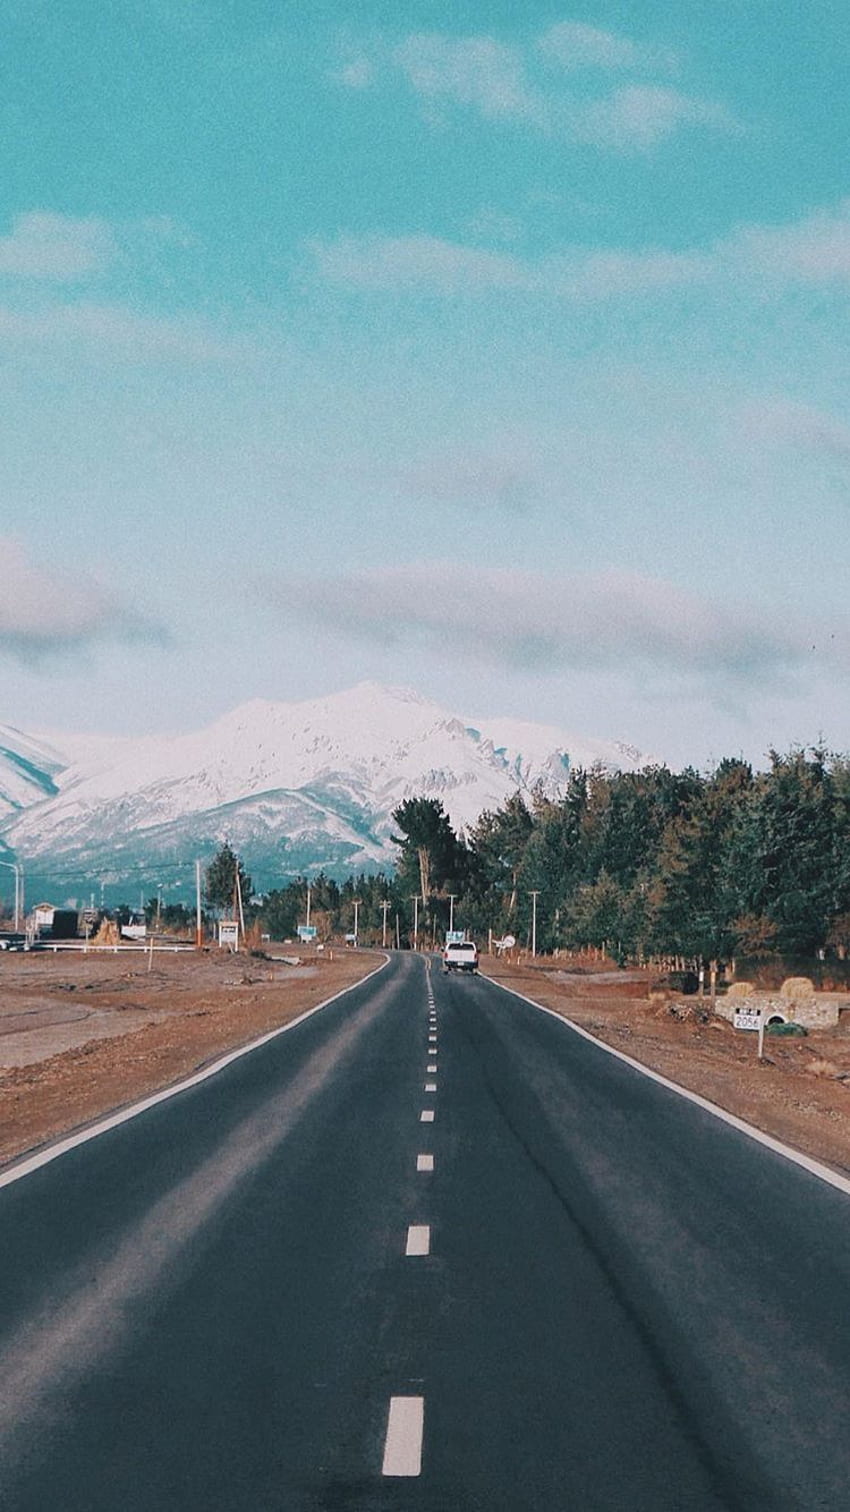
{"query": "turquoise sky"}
pixel 505 358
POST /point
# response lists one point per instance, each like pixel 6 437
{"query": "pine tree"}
pixel 220 879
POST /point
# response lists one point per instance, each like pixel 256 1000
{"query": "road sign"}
pixel 746 1019
pixel 455 936
pixel 307 932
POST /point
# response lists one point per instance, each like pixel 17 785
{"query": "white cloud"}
pixel 357 73
pixel 608 274
pixel 117 332
pixel 573 44
pixel 782 423
pixel 815 249
pixel 43 612
pixel 476 71
pixel 406 262
pixel 504 478
pixel 615 621
pixel 637 117
pixel 449 268
pixel 55 248
pixel 527 83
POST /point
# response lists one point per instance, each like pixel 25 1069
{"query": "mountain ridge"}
pixel 293 786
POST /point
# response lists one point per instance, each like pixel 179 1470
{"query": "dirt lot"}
pixel 83 1034
pixel 796 1093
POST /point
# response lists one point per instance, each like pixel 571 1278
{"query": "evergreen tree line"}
pixel 662 863
pixel 642 864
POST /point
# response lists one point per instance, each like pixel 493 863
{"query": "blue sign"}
pixel 307 932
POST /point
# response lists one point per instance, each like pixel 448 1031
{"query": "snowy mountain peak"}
pixel 294 785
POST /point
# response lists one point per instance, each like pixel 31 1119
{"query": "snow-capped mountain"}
pixel 293 787
pixel 28 770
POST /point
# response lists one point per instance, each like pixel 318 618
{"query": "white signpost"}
pixel 752 1018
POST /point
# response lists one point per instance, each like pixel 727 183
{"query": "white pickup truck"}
pixel 460 955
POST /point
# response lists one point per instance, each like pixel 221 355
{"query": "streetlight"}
pixel 534 896
pixel 385 906
pixel 356 902
pixel 415 901
pixel 452 897
pixel 19 890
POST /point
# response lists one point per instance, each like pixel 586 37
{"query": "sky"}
pixel 496 351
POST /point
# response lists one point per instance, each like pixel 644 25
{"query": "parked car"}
pixel 13 941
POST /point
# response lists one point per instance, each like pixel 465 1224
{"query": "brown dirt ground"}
pixel 81 1035
pixel 796 1093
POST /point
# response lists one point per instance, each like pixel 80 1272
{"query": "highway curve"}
pixel 427 1249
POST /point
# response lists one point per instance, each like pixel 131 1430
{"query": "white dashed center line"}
pixel 430 1086
pixel 424 1162
pixel 403 1445
pixel 418 1239
pixel 427 1115
pixel 431 1068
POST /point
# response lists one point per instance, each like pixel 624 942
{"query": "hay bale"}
pixel 108 933
pixel 797 987
pixel 740 990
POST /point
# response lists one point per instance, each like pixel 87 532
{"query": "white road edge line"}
pixel 424 1162
pixel 814 1167
pixel 112 1121
pixel 418 1239
pixel 403 1444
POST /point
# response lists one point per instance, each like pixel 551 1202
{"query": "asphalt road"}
pixel 258 1296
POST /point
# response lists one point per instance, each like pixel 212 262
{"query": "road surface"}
pixel 428 1249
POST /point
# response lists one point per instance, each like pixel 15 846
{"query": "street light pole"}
pixel 199 928
pixel 19 890
pixel 452 897
pixel 385 906
pixel 534 896
pixel 356 902
pixel 415 901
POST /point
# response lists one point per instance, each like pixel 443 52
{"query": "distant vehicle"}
pixel 12 941
pixel 460 955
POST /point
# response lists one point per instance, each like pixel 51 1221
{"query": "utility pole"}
pixel 309 896
pixel 239 902
pixel 356 902
pixel 19 891
pixel 199 930
pixel 534 896
pixel 386 907
pixel 415 901
pixel 452 897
